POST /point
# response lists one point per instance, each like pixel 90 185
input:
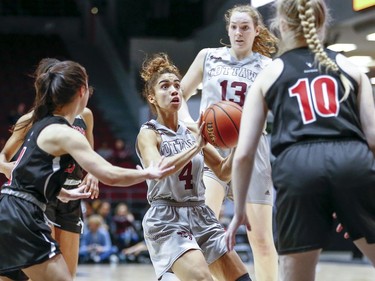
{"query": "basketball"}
pixel 222 124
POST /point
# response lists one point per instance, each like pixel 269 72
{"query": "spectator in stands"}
pixel 14 115
pixel 121 154
pixel 105 151
pixel 105 211
pixel 96 245
pixel 139 253
pixel 125 230
pixel 87 209
pixel 95 204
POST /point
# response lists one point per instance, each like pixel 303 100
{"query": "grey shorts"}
pixel 171 229
pixel 261 186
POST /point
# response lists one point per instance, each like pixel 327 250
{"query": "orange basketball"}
pixel 222 124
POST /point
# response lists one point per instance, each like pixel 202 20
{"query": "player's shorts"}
pixel 261 186
pixel 16 275
pixel 66 216
pixel 316 178
pixel 26 237
pixel 171 229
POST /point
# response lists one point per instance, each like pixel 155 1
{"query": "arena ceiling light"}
pixel 363 62
pixel 258 3
pixel 370 37
pixel 342 47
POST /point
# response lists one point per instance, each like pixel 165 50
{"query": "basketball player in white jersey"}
pixel 227 73
pixel 181 232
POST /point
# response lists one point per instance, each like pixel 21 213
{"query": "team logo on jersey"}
pixel 185 234
pixel 79 129
pixel 175 146
pixel 311 67
pixel 70 168
pixel 234 71
pixel 212 57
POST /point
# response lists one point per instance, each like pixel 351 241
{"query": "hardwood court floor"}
pixel 329 269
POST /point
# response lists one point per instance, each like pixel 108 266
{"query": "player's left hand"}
pixel 67 195
pixel 237 221
pixel 92 185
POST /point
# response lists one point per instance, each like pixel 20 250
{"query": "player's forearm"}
pixel 180 160
pixel 241 176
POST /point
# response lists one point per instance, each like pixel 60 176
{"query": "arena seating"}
pixel 19 56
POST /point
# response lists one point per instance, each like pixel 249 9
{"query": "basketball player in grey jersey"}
pixel 227 73
pixel 181 232
pixel 186 187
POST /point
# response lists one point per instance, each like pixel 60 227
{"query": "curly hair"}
pixel 152 68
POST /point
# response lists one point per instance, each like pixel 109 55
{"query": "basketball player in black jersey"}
pixel 65 218
pixel 42 167
pixel 323 139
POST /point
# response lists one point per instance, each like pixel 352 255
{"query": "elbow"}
pixel 224 173
pixel 225 177
pixel 109 178
pixel 241 160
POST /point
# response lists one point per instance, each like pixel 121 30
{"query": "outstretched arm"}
pixel 255 113
pixel 148 146
pixel 90 181
pixel 12 145
pixel 190 83
pixel 59 139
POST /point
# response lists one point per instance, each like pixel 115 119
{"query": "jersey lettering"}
pixel 187 176
pixel 320 97
pixel 240 91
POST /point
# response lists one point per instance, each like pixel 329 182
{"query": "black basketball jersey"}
pixel 306 103
pixel 36 172
pixel 80 125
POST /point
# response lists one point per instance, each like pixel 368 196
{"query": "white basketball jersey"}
pixel 226 78
pixel 186 184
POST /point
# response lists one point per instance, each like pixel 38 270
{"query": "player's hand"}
pixel 67 195
pixel 340 227
pixel 158 170
pixel 237 221
pixel 92 185
pixel 201 141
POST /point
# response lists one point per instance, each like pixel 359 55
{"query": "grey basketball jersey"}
pixel 226 78
pixel 187 183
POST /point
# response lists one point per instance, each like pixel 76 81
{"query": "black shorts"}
pixel 66 216
pixel 26 237
pixel 315 179
pixel 16 275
